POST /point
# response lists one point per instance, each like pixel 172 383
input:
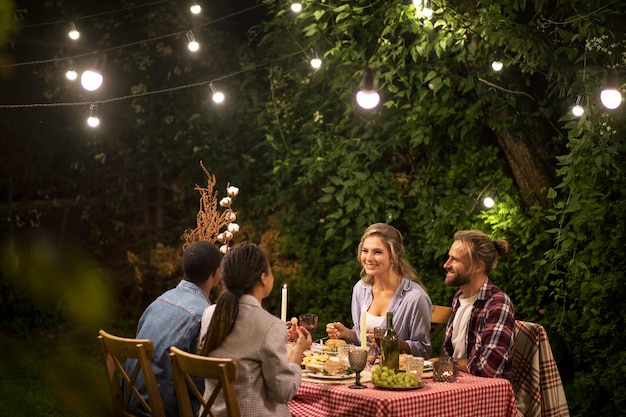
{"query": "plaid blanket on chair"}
pixel 536 379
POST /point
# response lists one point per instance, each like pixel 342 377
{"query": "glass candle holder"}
pixel 445 370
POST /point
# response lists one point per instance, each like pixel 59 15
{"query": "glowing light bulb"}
pixel 489 202
pixel 367 99
pixel 93 120
pixel 91 80
pixel 316 62
pixel 192 44
pixel 218 96
pixel 578 110
pixel 73 33
pixel 296 7
pixel 611 98
pixel 195 8
pixel 71 75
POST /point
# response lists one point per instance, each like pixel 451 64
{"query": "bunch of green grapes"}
pixel 385 377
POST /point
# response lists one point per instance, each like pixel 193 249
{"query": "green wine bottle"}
pixel 390 346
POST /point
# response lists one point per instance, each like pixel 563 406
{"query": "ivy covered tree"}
pixel 449 131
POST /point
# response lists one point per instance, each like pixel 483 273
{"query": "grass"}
pixel 56 374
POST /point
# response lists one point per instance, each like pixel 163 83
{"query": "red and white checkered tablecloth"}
pixel 470 396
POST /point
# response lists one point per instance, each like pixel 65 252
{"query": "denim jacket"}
pixel 173 319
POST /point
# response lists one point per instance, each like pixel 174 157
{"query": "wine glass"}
pixel 309 322
pixel 379 332
pixel 358 359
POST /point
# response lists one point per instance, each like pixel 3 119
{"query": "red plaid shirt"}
pixel 490 333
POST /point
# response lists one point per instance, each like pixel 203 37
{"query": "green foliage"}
pixel 422 160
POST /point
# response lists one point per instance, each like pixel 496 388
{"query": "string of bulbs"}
pixel 367 97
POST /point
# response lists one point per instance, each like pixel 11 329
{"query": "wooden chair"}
pixel 185 365
pixel 115 350
pixel 439 319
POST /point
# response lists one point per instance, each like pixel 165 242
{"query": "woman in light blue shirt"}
pixel 388 283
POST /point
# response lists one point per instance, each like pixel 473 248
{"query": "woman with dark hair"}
pixel 238 327
pixel 388 283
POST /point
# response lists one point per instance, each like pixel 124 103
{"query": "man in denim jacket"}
pixel 174 319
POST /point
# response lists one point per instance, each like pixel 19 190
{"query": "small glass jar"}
pixel 446 369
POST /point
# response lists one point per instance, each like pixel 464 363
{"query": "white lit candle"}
pixel 363 329
pixel 283 304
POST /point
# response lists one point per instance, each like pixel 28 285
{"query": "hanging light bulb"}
pixel 316 62
pixel 497 65
pixel 71 73
pixel 296 6
pixel 218 96
pixel 611 97
pixel 490 200
pixel 91 80
pixel 73 33
pixel 195 7
pixel 368 97
pixel 578 109
pixel 93 120
pixel 426 9
pixel 192 44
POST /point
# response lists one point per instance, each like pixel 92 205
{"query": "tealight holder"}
pixel 445 370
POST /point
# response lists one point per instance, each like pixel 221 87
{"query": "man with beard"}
pixel 480 332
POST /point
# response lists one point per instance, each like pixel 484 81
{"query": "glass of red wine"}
pixel 309 322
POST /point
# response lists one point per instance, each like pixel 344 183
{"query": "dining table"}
pixel 469 396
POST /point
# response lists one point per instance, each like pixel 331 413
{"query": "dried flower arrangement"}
pixel 213 225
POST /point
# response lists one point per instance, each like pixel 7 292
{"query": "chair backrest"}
pixel 438 319
pixel 185 365
pixel 115 350
pixel 536 379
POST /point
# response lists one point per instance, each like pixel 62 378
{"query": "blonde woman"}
pixel 388 283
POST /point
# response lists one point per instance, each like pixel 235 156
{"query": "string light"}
pixel 195 8
pixel 490 200
pixel 93 120
pixel 192 44
pixel 578 109
pixel 296 6
pixel 368 97
pixel 71 73
pixel 316 62
pixel 611 98
pixel 91 80
pixel 497 65
pixel 424 8
pixel 218 96
pixel 73 33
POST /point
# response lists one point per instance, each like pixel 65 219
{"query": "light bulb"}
pixel 93 120
pixel 296 7
pixel 610 96
pixel 578 110
pixel 489 202
pixel 367 99
pixel 218 96
pixel 195 8
pixel 316 62
pixel 497 65
pixel 91 80
pixel 71 75
pixel 192 44
pixel 73 33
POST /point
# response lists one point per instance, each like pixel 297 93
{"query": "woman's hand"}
pixel 336 330
pixel 302 343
